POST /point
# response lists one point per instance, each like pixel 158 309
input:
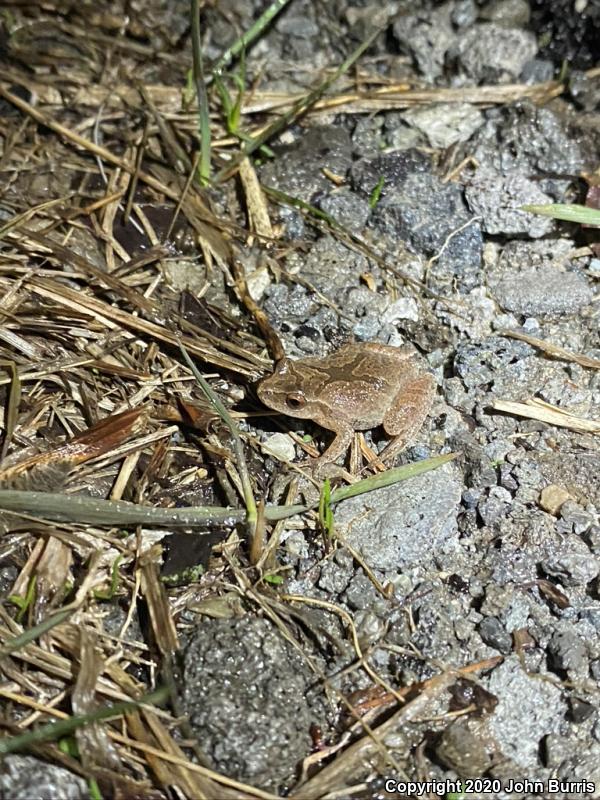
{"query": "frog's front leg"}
pixel 338 447
pixel 405 417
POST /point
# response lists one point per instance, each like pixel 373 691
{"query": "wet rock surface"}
pixel 525 703
pixel 239 676
pixel 491 563
pixel 24 777
pixel 406 525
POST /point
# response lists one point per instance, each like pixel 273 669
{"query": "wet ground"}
pixel 450 629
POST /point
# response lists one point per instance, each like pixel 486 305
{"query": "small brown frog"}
pixel 356 388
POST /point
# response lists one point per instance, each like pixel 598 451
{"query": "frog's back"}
pixel 368 361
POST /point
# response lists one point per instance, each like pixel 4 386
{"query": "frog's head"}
pixel 284 391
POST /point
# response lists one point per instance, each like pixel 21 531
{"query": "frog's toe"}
pixel 326 469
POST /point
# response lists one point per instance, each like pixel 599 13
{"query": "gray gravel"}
pixel 494 53
pixel 498 200
pixel 480 567
pixel 481 564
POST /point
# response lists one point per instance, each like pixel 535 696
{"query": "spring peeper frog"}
pixel 356 388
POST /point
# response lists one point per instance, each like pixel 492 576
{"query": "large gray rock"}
pixel 493 53
pixel 545 291
pixel 528 709
pixel 28 778
pixel 245 692
pixel 498 200
pixel 402 525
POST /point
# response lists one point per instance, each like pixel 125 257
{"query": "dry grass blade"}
pixel 269 333
pixel 224 788
pixel 554 350
pixel 177 155
pixel 95 441
pixel 237 444
pixel 69 135
pixel 390 98
pixel 17 220
pixel 12 406
pixel 94 745
pixel 121 276
pixel 61 255
pixel 198 215
pixel 161 619
pixel 335 777
pixel 544 412
pixel 145 727
pixel 31 634
pixel 371 98
pixel 84 143
pixel 355 758
pixel 258 210
pixel 57 730
pixel 112 317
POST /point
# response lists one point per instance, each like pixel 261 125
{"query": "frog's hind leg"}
pixel 406 416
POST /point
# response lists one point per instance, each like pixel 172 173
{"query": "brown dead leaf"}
pixel 54 465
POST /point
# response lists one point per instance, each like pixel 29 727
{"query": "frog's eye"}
pixel 295 400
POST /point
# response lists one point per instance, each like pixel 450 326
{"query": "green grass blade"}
pixel 376 193
pixel 568 212
pixel 391 476
pixel 92 511
pixel 57 730
pixel 201 94
pixel 249 36
pixel 297 109
pixel 295 202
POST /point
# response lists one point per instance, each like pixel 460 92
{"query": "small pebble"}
pixel 552 498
